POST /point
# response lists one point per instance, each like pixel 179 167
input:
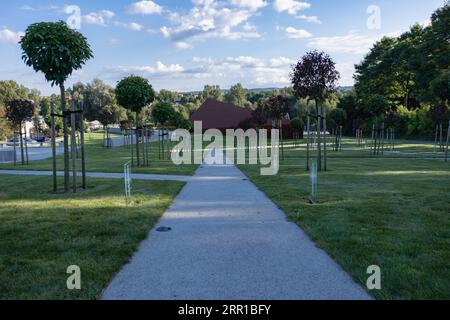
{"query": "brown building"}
pixel 221 115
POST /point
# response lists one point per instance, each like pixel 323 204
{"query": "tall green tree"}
pixel 97 95
pixel 237 95
pixel 212 92
pixel 56 50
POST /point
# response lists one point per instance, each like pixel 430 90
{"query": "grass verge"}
pixel 43 233
pixel 383 211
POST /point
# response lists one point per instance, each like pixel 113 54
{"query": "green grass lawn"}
pixel 42 233
pixel 101 159
pixel 388 211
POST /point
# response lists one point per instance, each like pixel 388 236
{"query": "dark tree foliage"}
pixel 297 124
pixel 337 117
pixel 134 93
pixel 163 113
pixel 391 118
pixel 439 113
pixel 314 76
pixel 277 107
pixel 259 116
pixel 54 49
pixel 18 111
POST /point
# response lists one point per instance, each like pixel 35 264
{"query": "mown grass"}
pixel 101 159
pixel 387 211
pixel 43 233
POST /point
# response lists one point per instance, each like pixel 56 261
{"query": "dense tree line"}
pixel 403 81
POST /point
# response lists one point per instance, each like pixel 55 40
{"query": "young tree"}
pixel 163 114
pixel 297 126
pixel 17 112
pixel 56 50
pixel 277 108
pixel 315 77
pixel 439 114
pixel 134 93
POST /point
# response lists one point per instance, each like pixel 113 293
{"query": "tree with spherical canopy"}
pixel 315 78
pixel 134 93
pixel 56 50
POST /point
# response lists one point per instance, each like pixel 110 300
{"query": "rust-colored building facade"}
pixel 222 116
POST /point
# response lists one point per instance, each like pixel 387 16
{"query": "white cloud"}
pixel 249 27
pixel 27 8
pixel 98 18
pixel 145 8
pixel 312 19
pixel 352 43
pixel 250 4
pixel 346 70
pixel 132 25
pixel 213 19
pixel 8 36
pixel 297 33
pixel 291 6
pixel 160 69
pixel 183 45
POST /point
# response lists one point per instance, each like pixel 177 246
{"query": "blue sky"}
pixel 183 45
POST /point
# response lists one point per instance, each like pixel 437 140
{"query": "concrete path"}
pixel 137 176
pixel 229 241
pixel 36 153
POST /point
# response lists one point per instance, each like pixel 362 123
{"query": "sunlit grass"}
pixel 43 233
pixel 388 211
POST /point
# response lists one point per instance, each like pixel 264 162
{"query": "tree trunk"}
pixel 448 138
pixel 55 183
pixel 137 140
pixel 83 157
pixel 436 138
pixel 73 152
pixel 22 156
pixel 14 146
pixel 280 125
pixel 66 138
pixel 324 113
pixel 26 146
pixel 319 147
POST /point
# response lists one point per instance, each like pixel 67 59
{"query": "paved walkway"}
pixel 137 176
pixel 229 241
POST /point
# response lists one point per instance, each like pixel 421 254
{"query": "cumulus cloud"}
pixel 159 69
pixel 249 70
pixel 98 18
pixel 250 4
pixel 291 6
pixel 8 36
pixel 312 19
pixel 131 26
pixel 213 19
pixel 352 43
pixel 293 33
pixel 145 8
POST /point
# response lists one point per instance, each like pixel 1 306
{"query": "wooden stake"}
pixel 55 185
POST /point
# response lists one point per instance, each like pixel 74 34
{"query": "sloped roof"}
pixel 220 115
